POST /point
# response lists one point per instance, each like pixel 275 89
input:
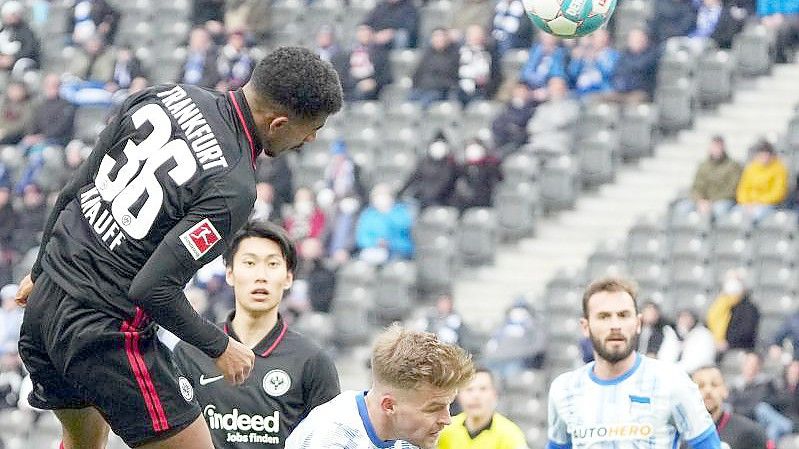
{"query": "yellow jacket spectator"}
pixel 480 426
pixel 764 183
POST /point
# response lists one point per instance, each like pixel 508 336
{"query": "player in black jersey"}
pixel 735 431
pixel 170 180
pixel 291 375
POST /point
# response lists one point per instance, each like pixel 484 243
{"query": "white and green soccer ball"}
pixel 569 18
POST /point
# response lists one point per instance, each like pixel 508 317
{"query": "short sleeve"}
pixel 557 432
pixel 688 410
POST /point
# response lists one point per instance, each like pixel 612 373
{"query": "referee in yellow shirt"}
pixel 480 426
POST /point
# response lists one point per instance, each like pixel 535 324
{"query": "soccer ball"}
pixel 569 18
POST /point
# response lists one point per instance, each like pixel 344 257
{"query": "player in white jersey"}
pixel 624 399
pixel 415 379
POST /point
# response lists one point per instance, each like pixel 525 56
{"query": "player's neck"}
pixel 379 423
pixel 717 414
pixel 474 423
pixel 251 329
pixel 606 370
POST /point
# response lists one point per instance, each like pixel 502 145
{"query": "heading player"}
pixel 170 180
pixel 291 375
pixel 415 379
pixel 624 399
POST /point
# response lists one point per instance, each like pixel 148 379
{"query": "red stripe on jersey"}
pixel 142 375
pixel 277 340
pixel 244 125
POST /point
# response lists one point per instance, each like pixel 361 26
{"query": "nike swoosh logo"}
pixel 207 380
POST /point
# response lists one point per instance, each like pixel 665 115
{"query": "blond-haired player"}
pixel 415 379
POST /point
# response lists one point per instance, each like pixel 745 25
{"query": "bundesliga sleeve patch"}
pixel 200 238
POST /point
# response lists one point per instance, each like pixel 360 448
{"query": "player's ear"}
pixel 289 280
pixel 640 324
pixel 388 404
pixel 229 275
pixel 584 327
pixel 277 122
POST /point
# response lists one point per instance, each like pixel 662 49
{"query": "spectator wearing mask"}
pixel 304 218
pixel 433 179
pixel 634 78
pixel 235 62
pixel 510 126
pixel 510 27
pixel 200 67
pixel 479 71
pixel 716 21
pixel 19 46
pixel 593 62
pixel 395 23
pixel 383 231
pixel 367 70
pixel 518 344
pixel 764 183
pixel 15 113
pixel 480 173
pixel 732 317
pixel 92 18
pixel 437 73
pixel 752 393
pixel 547 60
pixel 656 332
pixel 342 175
pixel 697 347
pixel 715 182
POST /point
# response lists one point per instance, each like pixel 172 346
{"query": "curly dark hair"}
pixel 297 79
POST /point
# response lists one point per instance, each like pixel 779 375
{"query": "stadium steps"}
pixel 565 240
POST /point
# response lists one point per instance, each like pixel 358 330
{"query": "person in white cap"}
pixel 19 47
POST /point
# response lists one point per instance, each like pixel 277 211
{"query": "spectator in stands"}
pixel 341 239
pixel 8 221
pixel 15 113
pixel 470 12
pixel 510 26
pixel 433 179
pixel 317 274
pixel 547 60
pixel 342 175
pixel 697 348
pixel 383 231
pixel 656 332
pixel 235 62
pixel 52 177
pixel 30 219
pixel 672 18
pixel 90 18
pixel 788 331
pixel 53 119
pixel 304 219
pixel 732 317
pixel 127 67
pixel 593 62
pixel 554 119
pixel 510 126
pixel 94 61
pixel 782 20
pixel 480 173
pixel 277 173
pixel 480 425
pixel 436 76
pixel 715 182
pixel 395 23
pixel 254 16
pixel 328 48
pixel 518 344
pixel 200 67
pixel 207 10
pixel 716 21
pixel 19 46
pixel 264 208
pixel 10 320
pixel 634 79
pixel 444 321
pixel 764 183
pixel 479 73
pixel 752 393
pixel 367 67
pixel 786 401
pixel 735 431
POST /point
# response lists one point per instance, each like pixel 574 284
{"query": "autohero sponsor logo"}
pixel 244 428
pixel 613 432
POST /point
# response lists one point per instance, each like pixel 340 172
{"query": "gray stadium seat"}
pixel 478 236
pixel 736 254
pixel 351 317
pixel 792 133
pixel 519 167
pixel 435 221
pixel 563 305
pixel 441 115
pixel 396 92
pixel 630 15
pixel 775 301
pixel 436 265
pixel 637 131
pixel 753 51
pixel 393 169
pixel 673 67
pixel 781 225
pixel 89 122
pixel 355 274
pixel 599 158
pixel 480 114
pixel 729 228
pixel 319 14
pixel 310 169
pixel 559 183
pixel 516 204
pixel 646 228
pixel 714 78
pixel 675 105
pixel 528 410
pixel 395 292
pixel 608 253
pixel 528 384
pixel 783 277
pixel 317 326
pixel 596 118
pixel 403 63
pixel 433 15
pixel 404 115
pixel 365 114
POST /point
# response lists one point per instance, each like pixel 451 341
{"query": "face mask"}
pixel 517 316
pixel 733 287
pixel 438 150
pixel 303 207
pixel 383 203
pixel 348 205
pixel 475 152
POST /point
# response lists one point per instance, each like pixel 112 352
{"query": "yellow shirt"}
pixel 502 433
pixel 763 184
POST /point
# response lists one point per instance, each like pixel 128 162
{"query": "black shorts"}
pixel 79 357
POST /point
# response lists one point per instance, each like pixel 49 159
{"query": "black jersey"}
pixel 740 432
pixel 291 376
pixel 170 179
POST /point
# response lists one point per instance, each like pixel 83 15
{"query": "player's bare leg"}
pixel 195 436
pixel 83 428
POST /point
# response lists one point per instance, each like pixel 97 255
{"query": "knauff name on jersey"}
pixel 201 139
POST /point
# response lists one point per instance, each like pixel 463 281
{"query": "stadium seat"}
pixel 365 114
pixel 630 15
pixel 564 281
pixel 435 221
pixel 89 122
pixel 319 14
pixel 433 15
pixel 777 301
pixel 559 183
pixel 478 236
pixel 772 255
pixel 714 78
pixel 528 384
pixel 404 115
pixel 441 115
pixel 435 263
pixel 403 63
pixel 394 168
pixel 355 274
pixel 351 317
pixel 480 114
pixel 512 63
pixel 781 225
pixel 792 133
pixel 730 227
pixel 673 67
pixel 608 253
pixel 599 158
pixel 637 131
pixel 646 228
pixel 286 11
pixel 519 167
pixel 753 51
pixel 563 305
pixel 516 204
pixel 310 170
pixel 315 325
pixel 596 118
pixel 736 254
pixel 395 291
pixel 396 92
pixel 784 277
pixel 675 105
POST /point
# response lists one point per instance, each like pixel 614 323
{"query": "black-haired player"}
pixel 291 375
pixel 170 180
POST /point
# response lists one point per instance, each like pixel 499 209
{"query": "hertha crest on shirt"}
pixel 200 238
